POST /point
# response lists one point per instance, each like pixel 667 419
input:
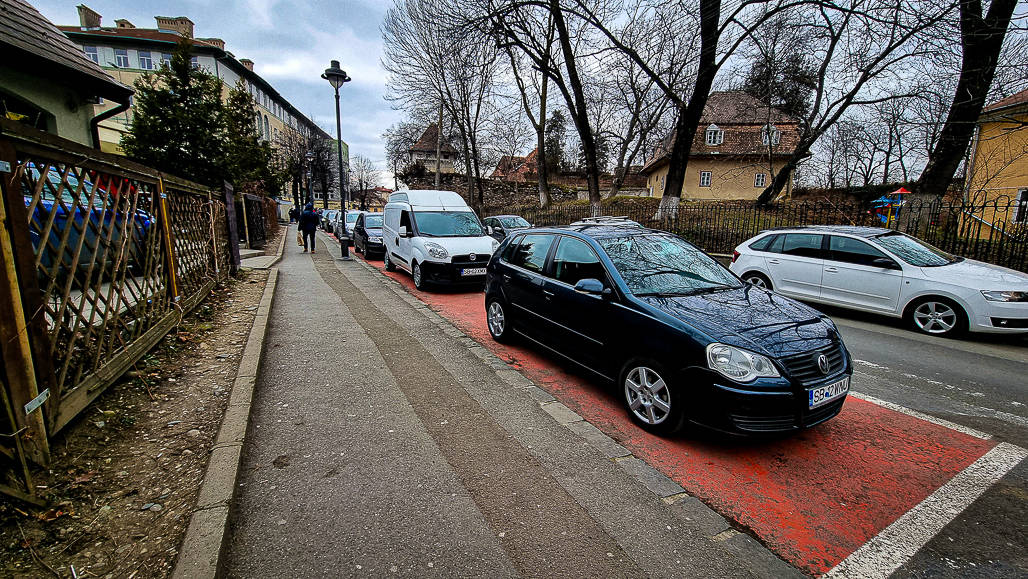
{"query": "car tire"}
pixel 497 320
pixel 758 279
pixel 419 277
pixel 651 400
pixel 388 263
pixel 936 316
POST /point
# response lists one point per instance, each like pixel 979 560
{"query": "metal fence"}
pixel 993 230
pixel 101 257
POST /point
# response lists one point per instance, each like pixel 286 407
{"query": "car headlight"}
pixel 437 251
pixel 374 239
pixel 738 364
pixel 1005 296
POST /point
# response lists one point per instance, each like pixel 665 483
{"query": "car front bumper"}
pixel 753 409
pixel 1000 318
pixel 450 273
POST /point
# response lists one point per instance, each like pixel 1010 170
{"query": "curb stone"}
pixel 201 553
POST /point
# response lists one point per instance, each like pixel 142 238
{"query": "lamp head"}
pixel 335 75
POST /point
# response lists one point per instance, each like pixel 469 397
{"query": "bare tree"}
pixel 981 40
pixel 365 176
pixel 399 139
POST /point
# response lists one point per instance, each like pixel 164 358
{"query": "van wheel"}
pixel 652 402
pixel 388 263
pixel 419 279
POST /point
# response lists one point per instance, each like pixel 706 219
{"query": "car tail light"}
pixel 735 256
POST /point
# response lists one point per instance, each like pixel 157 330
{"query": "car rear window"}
pixel 762 243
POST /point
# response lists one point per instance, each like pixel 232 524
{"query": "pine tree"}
pixel 178 121
pixel 249 161
pixel 556 127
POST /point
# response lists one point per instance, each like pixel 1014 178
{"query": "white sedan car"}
pixel 886 272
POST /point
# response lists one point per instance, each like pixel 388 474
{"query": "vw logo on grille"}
pixel 822 363
pixel 472 257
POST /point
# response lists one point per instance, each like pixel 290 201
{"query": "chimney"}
pixel 122 23
pixel 247 63
pixel 88 18
pixel 178 24
pixel 213 42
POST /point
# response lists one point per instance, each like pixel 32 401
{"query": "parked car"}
pixel 886 272
pixel 82 214
pixel 683 338
pixel 436 237
pixel 504 225
pixel 347 221
pixel 367 235
pixel 328 220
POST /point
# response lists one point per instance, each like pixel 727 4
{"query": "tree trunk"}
pixel 580 113
pixel 324 190
pixel 981 40
pixel 296 193
pixel 689 119
pixel 540 143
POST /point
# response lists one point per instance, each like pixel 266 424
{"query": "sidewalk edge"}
pixel 201 553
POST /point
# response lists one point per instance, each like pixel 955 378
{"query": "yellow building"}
pixel 997 173
pixel 127 52
pixel 740 145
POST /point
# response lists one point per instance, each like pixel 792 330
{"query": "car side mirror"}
pixel 884 262
pixel 403 231
pixel 489 229
pixel 592 286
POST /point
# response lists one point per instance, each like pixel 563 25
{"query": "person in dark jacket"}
pixel 294 213
pixel 309 222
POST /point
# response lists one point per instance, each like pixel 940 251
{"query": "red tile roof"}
pixel 428 139
pixel 1012 100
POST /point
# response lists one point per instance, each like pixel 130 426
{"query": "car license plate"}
pixel 473 271
pixel 824 394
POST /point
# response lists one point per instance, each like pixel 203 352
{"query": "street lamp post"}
pixel 309 157
pixel 336 77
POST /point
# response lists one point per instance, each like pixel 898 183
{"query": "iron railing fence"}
pixel 100 258
pixel 991 230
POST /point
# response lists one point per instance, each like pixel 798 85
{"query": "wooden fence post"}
pixel 233 228
pixel 23 392
pixel 169 240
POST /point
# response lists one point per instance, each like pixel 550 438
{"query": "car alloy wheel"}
pixel 935 317
pixel 647 396
pixel 757 280
pixel 496 317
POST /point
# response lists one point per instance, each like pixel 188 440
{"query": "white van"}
pixel 435 237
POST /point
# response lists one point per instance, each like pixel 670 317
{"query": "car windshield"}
pixel 373 221
pixel 514 222
pixel 660 264
pixel 448 224
pixel 914 251
pixel 352 217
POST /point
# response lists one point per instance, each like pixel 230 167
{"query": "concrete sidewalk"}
pixel 383 441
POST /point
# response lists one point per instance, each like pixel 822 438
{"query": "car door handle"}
pixel 548 294
pixel 831 270
pixel 773 261
pixel 506 277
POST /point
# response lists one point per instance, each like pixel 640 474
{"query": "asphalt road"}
pixel 978 381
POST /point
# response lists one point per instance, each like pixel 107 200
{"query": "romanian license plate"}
pixel 821 395
pixel 472 271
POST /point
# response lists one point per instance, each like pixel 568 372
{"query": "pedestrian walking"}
pixel 309 222
pixel 294 214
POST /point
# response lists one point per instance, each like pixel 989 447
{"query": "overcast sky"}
pixel 291 44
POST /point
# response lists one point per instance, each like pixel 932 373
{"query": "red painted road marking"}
pixel 813 498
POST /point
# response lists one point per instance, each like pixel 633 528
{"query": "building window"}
pixel 704 178
pixel 760 180
pixel 166 58
pixel 91 53
pixel 770 135
pixel 121 58
pixel 194 62
pixel 662 181
pixel 715 136
pixel 1021 211
pixel 267 131
pixel 145 61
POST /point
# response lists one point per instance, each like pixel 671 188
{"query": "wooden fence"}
pixel 100 257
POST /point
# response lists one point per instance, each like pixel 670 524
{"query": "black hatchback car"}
pixel 367 235
pixel 684 339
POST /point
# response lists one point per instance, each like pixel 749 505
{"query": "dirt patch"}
pixel 126 473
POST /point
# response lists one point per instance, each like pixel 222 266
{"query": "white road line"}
pixel 898 542
pixel 922 416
